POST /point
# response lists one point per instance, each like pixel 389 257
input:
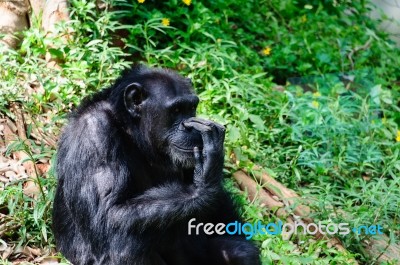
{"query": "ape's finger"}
pixel 197 155
pixel 197 126
pixel 201 121
pixel 198 176
pixel 204 122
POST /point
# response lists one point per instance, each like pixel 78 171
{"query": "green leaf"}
pixel 56 53
pixel 258 122
pixel 233 134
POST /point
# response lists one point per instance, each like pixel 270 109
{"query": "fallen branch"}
pixel 283 193
pixel 382 249
pixel 255 192
pixel 275 196
pixel 32 187
pixel 20 124
pixel 277 203
pixel 365 46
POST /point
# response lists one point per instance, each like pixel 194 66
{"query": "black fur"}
pixel 134 166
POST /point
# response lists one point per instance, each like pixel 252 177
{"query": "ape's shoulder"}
pixel 91 102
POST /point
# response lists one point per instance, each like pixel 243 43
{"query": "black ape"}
pixel 134 166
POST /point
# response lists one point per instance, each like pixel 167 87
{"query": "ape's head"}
pixel 158 102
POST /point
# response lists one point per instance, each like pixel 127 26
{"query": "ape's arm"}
pixel 171 202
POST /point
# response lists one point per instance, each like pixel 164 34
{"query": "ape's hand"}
pixel 208 168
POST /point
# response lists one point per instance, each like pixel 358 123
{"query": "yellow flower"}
pixel 140 1
pixel 315 104
pixel 316 94
pixel 165 22
pixel 304 19
pixel 187 2
pixel 266 51
pixel 398 136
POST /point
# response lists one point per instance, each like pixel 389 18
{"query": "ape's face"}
pixel 162 103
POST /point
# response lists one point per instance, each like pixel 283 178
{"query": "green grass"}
pixel 331 141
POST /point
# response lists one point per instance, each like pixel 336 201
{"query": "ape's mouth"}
pixel 186 149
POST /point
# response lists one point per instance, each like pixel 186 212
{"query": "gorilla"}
pixel 134 165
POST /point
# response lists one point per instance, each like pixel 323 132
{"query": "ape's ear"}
pixel 133 97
